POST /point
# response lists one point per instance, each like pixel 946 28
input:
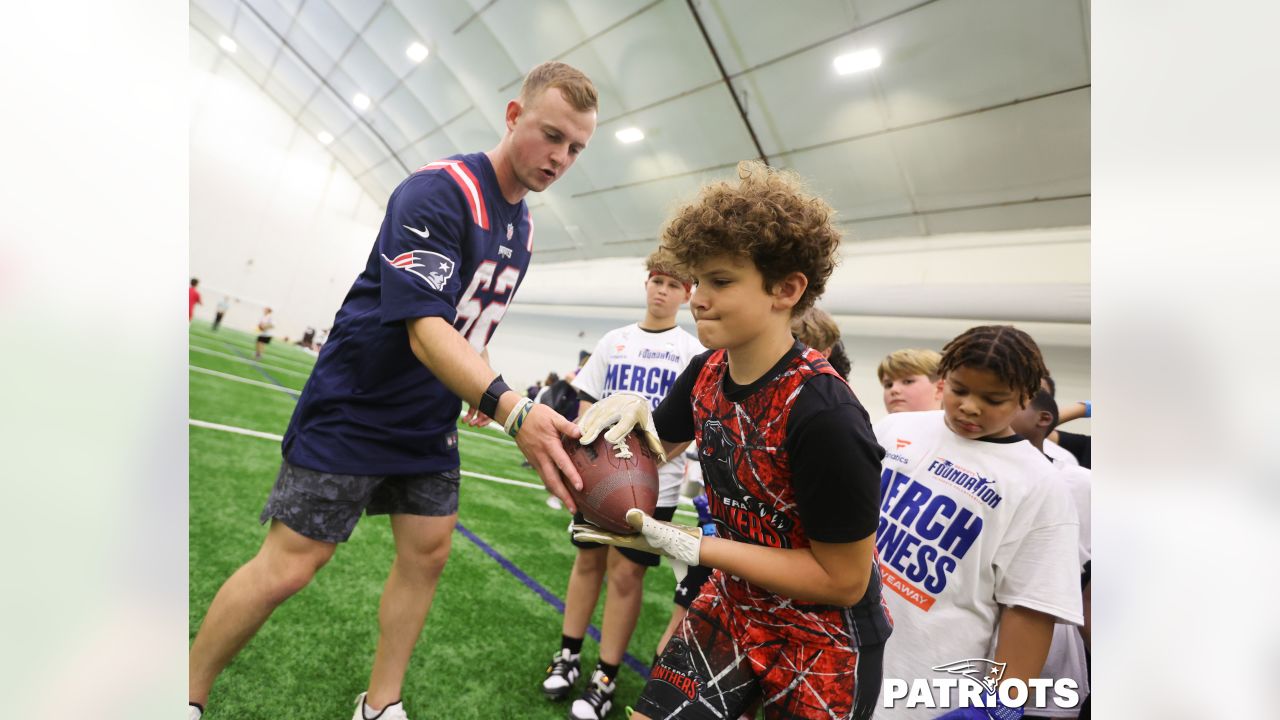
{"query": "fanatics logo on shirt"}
pixel 980 685
pixel 903 443
pixel 436 268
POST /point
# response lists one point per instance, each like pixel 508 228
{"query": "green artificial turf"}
pixel 488 637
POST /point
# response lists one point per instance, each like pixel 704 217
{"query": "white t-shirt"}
pixel 966 526
pixel 1059 453
pixel 647 363
pixel 265 325
pixel 1066 654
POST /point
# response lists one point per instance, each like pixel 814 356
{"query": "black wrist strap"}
pixel 489 400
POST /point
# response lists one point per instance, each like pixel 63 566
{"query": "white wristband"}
pixel 519 412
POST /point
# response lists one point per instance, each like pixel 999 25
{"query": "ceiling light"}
pixel 417 52
pixel 324 137
pixel 361 101
pixel 629 135
pixel 227 44
pixel 857 61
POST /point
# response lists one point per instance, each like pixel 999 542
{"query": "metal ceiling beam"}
pixel 724 75
pixel 324 82
pixel 841 141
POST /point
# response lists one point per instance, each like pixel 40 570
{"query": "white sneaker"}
pixel 394 711
pixel 596 700
pixel 562 673
pixel 194 714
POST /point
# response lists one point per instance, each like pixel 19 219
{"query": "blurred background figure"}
pixel 193 299
pixel 264 333
pixel 223 305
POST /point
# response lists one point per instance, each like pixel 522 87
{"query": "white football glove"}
pixel 625 411
pixel 677 542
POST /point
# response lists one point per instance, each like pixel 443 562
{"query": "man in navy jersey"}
pixel 375 429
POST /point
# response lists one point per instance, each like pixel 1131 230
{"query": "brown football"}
pixel 612 485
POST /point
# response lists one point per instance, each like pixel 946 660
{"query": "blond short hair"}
pixel 912 361
pixel 663 262
pixel 815 328
pixel 576 86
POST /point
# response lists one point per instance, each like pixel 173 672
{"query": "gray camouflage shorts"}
pixel 325 506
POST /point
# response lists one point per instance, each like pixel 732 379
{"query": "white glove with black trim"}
pixel 624 411
pixel 660 538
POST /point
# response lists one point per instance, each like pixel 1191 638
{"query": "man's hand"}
pixel 539 440
pixel 624 411
pixel 475 418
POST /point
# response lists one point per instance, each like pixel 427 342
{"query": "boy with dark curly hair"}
pixel 791 619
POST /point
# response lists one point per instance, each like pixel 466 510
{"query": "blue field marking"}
pixel 256 365
pixel 628 659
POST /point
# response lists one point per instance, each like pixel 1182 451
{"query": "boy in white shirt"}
pixel 977 536
pixel 645 358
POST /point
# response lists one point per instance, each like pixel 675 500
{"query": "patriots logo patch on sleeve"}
pixel 433 267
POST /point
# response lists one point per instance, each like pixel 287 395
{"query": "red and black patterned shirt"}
pixel 787 459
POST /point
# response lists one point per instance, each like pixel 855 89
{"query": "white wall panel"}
pixel 274 219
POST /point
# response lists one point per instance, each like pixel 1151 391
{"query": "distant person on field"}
pixel 193 299
pixel 223 305
pixel 264 333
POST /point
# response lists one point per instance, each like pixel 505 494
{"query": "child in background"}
pixel 910 380
pixel 977 536
pixel 643 357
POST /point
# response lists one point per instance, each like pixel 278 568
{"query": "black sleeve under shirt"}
pixel 835 462
pixel 674 417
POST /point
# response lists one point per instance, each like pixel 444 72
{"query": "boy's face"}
pixel 1031 423
pixel 976 403
pixel 911 394
pixel 729 302
pixel 664 295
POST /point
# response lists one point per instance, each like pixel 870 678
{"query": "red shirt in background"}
pixel 193 297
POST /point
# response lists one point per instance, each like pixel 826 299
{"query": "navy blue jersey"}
pixel 450 246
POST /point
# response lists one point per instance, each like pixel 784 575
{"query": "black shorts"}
pixel 325 506
pixel 636 556
pixel 264 339
pixel 687 589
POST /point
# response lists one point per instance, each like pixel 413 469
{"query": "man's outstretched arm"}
pixel 448 355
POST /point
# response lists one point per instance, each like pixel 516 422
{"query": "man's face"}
pixel 547 136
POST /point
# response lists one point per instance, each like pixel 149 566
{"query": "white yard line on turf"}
pixel 279 388
pixel 247 381
pixel 247 361
pixel 307 362
pixel 465 473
